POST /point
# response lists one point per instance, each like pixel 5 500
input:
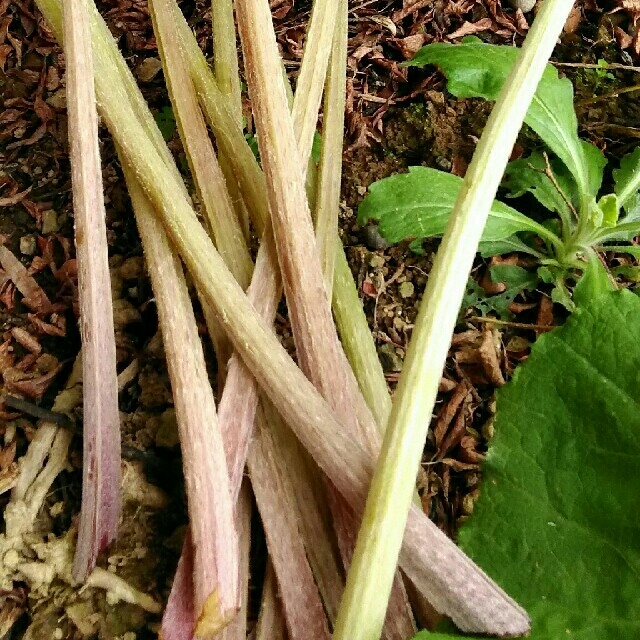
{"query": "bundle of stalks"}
pixel 313 436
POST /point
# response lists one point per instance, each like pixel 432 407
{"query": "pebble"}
pixel 524 5
pixel 49 222
pixel 406 290
pixel 27 245
pixel 372 238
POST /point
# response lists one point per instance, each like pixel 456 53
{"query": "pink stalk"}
pixel 101 499
pixel 309 495
pixel 303 611
pixel 271 621
pixel 215 542
pixel 237 409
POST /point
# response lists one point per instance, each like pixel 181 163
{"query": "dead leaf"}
pixel 33 295
pixel 469 28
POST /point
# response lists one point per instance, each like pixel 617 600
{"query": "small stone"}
pixel 444 164
pixel 376 261
pixel 49 222
pixel 524 5
pixel 148 69
pixel 27 245
pixel 389 358
pixel 406 290
pixel 167 434
pixel 372 238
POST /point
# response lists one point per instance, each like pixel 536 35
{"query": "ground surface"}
pixel 395 118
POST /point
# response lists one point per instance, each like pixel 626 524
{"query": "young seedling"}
pixel 566 181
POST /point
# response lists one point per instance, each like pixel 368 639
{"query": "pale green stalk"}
pixel 330 170
pixel 357 341
pixel 225 64
pixel 311 79
pixel 225 55
pixel 369 580
pixel 347 307
pixel 219 212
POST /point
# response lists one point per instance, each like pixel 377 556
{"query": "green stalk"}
pixel 210 183
pixel 225 64
pixel 357 341
pixel 225 55
pixel 369 580
pixel 435 565
pixel 330 170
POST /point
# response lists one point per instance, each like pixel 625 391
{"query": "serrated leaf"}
pixel 557 523
pixel 527 175
pixel 627 183
pixel 478 70
pixel 418 205
pixel 515 278
pixel 610 208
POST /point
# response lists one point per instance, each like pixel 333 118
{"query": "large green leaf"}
pixel 418 205
pixel 557 523
pixel 478 70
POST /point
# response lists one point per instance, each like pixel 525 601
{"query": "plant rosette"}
pixel 566 182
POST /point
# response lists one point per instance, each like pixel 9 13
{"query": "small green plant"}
pixel 166 122
pixel 566 180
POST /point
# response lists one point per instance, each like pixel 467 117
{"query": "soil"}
pixel 396 118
